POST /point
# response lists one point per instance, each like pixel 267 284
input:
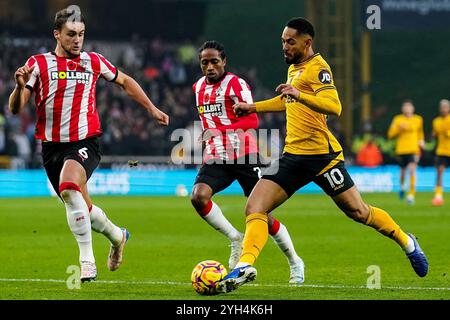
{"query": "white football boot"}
pixel 88 271
pixel 297 276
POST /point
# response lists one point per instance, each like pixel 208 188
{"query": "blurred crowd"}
pixel 166 72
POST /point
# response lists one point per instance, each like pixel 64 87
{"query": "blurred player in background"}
pixel 311 153
pixel 63 83
pixel 407 128
pixel 441 130
pixel 227 140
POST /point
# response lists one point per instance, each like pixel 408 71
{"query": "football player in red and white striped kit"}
pixel 63 83
pixel 231 153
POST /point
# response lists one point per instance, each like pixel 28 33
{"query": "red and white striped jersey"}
pixel 64 94
pixel 214 105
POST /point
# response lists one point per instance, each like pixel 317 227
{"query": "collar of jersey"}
pixel 309 59
pixel 218 81
pixel 74 59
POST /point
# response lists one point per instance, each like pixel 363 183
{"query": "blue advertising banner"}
pixel 34 183
pixel 407 14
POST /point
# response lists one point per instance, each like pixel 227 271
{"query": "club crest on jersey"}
pixel 83 63
pixel 79 76
pixel 218 92
pixel 214 109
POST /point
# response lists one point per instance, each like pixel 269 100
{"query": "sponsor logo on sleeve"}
pixel 325 77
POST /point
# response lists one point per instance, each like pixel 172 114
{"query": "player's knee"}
pixel 199 199
pixel 252 207
pixel 67 189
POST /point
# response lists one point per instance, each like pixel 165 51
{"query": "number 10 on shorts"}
pixel 334 177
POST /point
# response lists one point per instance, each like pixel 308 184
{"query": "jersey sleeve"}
pixel 241 91
pixel 271 105
pixel 31 62
pixel 393 128
pixel 107 69
pixel 320 78
pixel 421 134
pixel 436 127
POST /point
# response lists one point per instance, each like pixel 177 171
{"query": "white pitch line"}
pixel 324 286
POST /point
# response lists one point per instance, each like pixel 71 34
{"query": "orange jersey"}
pixel 441 129
pixel 307 130
pixel 408 131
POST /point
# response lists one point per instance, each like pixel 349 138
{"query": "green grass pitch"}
pixel 168 239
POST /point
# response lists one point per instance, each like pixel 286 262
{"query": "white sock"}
pixel 217 220
pixel 101 224
pixel 77 213
pixel 284 242
pixel 410 246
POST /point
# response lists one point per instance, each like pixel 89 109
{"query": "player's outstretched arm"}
pixel 241 109
pixel 20 95
pixel 326 102
pixel 134 91
pixel 271 105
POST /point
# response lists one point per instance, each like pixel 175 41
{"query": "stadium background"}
pixel 375 71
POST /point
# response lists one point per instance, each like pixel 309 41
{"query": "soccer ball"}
pixel 205 276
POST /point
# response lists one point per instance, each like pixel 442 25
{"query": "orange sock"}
pixel 381 221
pixel 412 185
pixel 255 237
pixel 438 191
